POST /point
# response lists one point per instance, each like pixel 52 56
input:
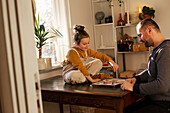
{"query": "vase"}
pixel 44 63
pixel 120 22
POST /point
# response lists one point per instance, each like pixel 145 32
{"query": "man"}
pixel 153 82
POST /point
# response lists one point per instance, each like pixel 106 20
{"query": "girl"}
pixel 81 62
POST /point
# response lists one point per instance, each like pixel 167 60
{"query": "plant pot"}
pixel 147 16
pixel 44 63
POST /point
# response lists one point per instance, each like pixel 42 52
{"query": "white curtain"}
pixel 53 14
pixel 60 22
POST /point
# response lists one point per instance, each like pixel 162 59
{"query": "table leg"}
pixel 61 108
pixel 120 107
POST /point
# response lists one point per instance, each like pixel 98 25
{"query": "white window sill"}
pixel 49 73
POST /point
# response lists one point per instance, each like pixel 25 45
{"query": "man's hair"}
pixel 149 22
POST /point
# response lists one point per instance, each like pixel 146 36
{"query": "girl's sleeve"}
pixel 75 60
pixel 101 56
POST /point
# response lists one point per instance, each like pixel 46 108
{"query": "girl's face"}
pixel 84 44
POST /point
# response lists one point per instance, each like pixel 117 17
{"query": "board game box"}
pixel 107 72
pixel 108 82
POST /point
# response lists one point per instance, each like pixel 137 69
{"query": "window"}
pixel 52 14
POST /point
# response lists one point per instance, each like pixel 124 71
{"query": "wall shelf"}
pixel 106 35
pixel 134 52
pixel 106 48
pixel 104 32
pixel 99 1
pixel 125 26
pixel 124 55
pixel 105 24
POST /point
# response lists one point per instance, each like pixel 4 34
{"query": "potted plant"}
pixel 147 12
pixel 41 36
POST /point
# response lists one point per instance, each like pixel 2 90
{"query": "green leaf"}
pixel 41 33
pixel 51 37
pixel 41 28
pixel 56 32
pixel 148 11
pixel 141 17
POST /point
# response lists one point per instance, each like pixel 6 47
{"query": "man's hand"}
pixel 128 84
pixel 131 80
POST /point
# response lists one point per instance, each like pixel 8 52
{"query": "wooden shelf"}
pixel 99 1
pixel 104 24
pixel 106 48
pixel 125 26
pixel 134 52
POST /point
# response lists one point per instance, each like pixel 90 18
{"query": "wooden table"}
pixel 55 90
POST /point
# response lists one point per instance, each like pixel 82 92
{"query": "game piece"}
pixel 73 82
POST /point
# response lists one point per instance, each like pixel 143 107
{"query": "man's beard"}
pixel 148 44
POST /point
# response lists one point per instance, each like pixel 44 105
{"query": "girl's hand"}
pixel 113 65
pixel 96 80
pixel 92 80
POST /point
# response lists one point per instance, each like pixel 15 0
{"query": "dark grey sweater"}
pixel 155 81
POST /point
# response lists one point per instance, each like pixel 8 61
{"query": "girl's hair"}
pixel 80 33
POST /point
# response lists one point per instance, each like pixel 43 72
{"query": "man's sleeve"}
pixel 140 78
pixel 161 83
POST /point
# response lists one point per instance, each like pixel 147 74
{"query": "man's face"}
pixel 145 37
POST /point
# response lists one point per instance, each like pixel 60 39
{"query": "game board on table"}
pixel 109 82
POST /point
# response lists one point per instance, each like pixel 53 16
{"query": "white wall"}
pixel 81 13
pixel 162 13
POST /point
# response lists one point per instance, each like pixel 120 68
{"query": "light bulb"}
pixel 140 10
